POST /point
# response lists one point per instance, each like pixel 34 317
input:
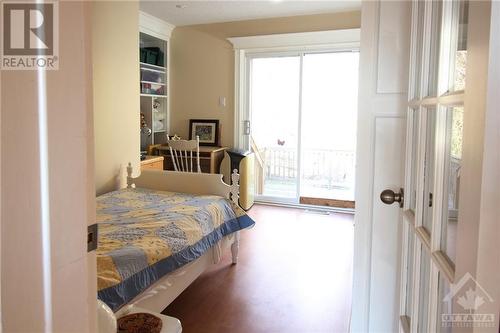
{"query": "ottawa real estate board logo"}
pixel 30 35
pixel 466 303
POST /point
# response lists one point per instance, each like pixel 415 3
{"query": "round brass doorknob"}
pixel 389 197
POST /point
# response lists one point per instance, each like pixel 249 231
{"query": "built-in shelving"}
pixel 154 82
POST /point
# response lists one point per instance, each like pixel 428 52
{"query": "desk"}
pixel 210 158
pixel 152 162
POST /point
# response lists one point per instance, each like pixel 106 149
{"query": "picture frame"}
pixel 208 130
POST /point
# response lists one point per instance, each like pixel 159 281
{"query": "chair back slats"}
pixel 184 165
pixel 181 152
pixel 191 155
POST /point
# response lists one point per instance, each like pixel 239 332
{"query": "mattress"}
pixel 145 234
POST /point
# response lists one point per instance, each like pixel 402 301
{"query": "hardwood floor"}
pixel 293 276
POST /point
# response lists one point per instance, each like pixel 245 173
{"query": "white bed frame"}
pixel 159 295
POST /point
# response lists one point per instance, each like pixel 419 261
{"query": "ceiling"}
pixel 203 11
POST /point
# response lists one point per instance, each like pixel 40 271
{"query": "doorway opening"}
pixel 302 107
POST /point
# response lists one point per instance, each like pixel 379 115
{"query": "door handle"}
pixel 389 197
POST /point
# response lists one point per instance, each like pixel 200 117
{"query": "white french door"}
pixel 302 107
pixel 434 159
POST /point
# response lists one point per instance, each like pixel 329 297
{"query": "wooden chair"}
pixel 181 152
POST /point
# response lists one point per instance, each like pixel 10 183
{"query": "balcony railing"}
pixel 321 168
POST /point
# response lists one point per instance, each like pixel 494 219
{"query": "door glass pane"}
pixel 429 168
pixel 409 274
pixel 459 58
pixel 454 130
pixel 434 46
pixel 423 304
pixel 444 307
pixel 417 49
pixel 274 110
pixel 414 149
pixel 328 132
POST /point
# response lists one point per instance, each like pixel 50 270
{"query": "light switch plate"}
pixel 222 101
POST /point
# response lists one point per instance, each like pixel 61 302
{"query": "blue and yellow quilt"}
pixel 145 234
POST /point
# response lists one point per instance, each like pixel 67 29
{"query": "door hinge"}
pixel 92 237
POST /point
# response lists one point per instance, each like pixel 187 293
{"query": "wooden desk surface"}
pixel 152 159
pixel 203 149
pixel 210 158
pixel 152 162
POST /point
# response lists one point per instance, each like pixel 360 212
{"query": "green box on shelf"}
pixel 154 56
pixel 142 55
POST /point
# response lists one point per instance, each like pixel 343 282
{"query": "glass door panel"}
pixel 459 54
pixel 415 114
pixel 423 306
pixel 409 274
pixel 429 168
pixel 274 112
pixel 417 48
pixel 435 35
pixel 453 163
pixel 329 94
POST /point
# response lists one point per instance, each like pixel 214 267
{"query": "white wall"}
pixel 115 57
pixel 202 64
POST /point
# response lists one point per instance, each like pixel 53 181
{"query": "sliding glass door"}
pixel 302 109
pixel 329 108
pixel 274 104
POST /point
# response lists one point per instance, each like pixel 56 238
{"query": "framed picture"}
pixel 206 129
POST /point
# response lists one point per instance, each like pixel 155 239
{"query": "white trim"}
pixel 301 39
pixel 155 27
pixel 487 272
pixel 43 146
pixel 299 128
pixel 238 72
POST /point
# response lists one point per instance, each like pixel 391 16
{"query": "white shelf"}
pixel 149 66
pixel 153 95
pixel 151 82
pixel 153 70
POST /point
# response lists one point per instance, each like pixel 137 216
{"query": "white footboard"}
pixel 186 182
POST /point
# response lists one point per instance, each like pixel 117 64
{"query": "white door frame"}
pixel 488 260
pixel 249 56
pixel 247 48
pixel 298 42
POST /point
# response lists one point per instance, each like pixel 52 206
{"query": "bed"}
pixel 161 232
